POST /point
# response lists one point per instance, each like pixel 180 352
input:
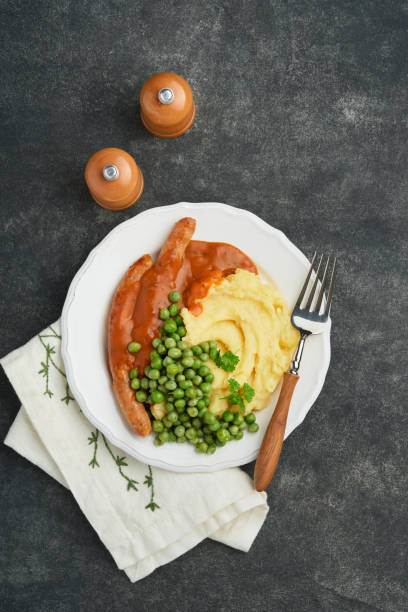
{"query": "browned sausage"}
pixel 119 336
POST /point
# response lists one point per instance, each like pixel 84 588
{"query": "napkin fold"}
pixel 145 516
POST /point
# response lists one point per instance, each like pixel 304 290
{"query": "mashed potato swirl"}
pixel 251 319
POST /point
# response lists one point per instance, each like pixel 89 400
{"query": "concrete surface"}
pixel 302 119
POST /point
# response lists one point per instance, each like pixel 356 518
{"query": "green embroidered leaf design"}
pixel 93 439
pixel 152 506
pixel 45 369
pixel 120 461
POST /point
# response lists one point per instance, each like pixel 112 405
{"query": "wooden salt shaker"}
pixel 114 179
pixel 167 106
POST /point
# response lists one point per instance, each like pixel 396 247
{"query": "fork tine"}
pixel 313 290
pixel 303 291
pixel 321 292
pixel 330 294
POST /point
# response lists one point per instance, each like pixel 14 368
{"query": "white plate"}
pixel 84 326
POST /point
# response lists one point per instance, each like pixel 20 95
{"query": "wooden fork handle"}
pixel 270 451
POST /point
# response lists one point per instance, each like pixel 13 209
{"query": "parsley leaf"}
pixel 248 392
pixel 227 362
pixel 238 395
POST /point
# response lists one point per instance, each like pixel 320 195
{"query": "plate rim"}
pixel 68 361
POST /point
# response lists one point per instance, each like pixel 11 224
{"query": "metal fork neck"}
pixel 294 366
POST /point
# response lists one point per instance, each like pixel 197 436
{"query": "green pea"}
pixel 172 417
pixel 205 387
pixel 197 423
pixel 164 314
pixel 209 418
pixel 171 385
pixel 141 396
pixel 189 373
pixel 181 330
pixel 157 363
pixel 166 421
pixel 238 419
pixel 223 435
pixel 211 449
pixel 157 397
pixel 209 378
pixel 199 393
pixel 190 393
pixel 201 407
pixel 167 361
pixel 156 342
pixel 157 426
pixel 178 393
pixel 224 425
pixel 228 416
pixel 207 430
pixel 172 437
pixel 191 433
pixel 179 320
pixel 242 426
pixel 152 385
pixel 196 364
pixel 253 427
pixel 239 435
pixel 185 384
pixel 187 362
pixel 219 443
pixel 174 296
pixel 214 426
pixel 135 384
pixel 162 380
pixel 204 370
pixel 154 354
pixel 183 347
pixel 181 439
pixel 205 346
pixel 193 402
pixel 169 406
pixel 170 343
pixel 202 447
pixel 212 344
pixel 174 353
pixel 209 439
pixel 144 383
pixel 197 380
pixel 157 441
pixel 154 374
pixel 250 418
pixel 133 373
pixel 187 353
pixel 204 356
pixel 179 430
pixel 134 347
pixel 164 436
pixel 200 433
pixel 175 337
pixel 193 441
pixel 180 403
pixel 172 369
pixel 197 350
pixel 170 326
pixel 180 377
pixel 213 353
pixel 233 429
pixel 174 310
pixel 207 400
pixel 161 349
pixel 192 411
pixel 187 424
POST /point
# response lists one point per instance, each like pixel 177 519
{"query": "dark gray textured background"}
pixel 302 119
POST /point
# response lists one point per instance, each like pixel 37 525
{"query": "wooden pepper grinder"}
pixel 114 179
pixel 167 106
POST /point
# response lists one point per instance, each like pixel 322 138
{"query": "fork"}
pixel 308 321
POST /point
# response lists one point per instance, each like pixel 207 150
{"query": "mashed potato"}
pixel 251 319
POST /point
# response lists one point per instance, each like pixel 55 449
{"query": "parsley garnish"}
pixel 227 362
pixel 238 394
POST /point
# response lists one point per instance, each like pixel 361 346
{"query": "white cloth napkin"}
pixel 145 516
